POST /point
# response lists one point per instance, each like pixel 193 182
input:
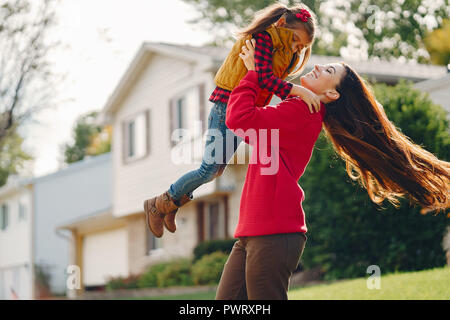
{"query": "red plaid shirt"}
pixel 263 63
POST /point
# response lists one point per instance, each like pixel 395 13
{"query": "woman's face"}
pixel 323 79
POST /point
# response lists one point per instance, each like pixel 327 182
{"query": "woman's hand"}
pixel 248 54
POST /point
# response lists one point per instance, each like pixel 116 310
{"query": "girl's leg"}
pixel 212 165
pixel 232 282
pixel 271 260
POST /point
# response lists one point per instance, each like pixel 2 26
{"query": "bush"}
pixel 177 273
pixel 115 283
pixel 211 246
pixel 209 268
pixel 347 232
pixel 150 278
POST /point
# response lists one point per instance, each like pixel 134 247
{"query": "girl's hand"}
pixel 248 54
pixel 311 99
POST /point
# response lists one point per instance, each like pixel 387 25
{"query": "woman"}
pixel 271 227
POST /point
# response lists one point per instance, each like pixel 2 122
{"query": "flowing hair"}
pixel 266 17
pixel 384 161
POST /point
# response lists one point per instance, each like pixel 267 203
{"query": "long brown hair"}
pixel 384 161
pixel 266 17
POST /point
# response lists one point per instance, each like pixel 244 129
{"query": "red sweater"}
pixel 271 200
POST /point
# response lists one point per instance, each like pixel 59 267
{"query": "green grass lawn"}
pixel 422 285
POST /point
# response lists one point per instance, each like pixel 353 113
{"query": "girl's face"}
pixel 301 40
pixel 323 79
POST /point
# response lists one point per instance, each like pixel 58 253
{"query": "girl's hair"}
pixel 268 16
pixel 385 161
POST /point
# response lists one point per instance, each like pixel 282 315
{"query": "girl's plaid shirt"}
pixel 263 64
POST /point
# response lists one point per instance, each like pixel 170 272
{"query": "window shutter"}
pixel 172 120
pixel 124 142
pixel 200 221
pixel 2 213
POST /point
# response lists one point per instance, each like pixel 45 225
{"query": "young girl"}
pixel 280 35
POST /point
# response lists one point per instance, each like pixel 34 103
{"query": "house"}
pixel 166 88
pixel 34 253
pixel 16 254
pixel 438 89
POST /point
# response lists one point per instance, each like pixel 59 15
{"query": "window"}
pixel 131 138
pixel 214 220
pixel 181 104
pixel 136 139
pixel 2 285
pixel 153 242
pixel 186 112
pixel 22 211
pixel 15 286
pixel 4 216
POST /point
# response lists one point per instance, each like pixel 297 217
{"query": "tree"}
pixel 438 44
pixel 381 28
pixel 25 74
pixel 12 156
pixel 90 138
pixel 100 141
pixel 347 232
pixel 26 80
pixel 394 29
pixel 222 17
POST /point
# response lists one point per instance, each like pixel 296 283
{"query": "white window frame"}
pixel 153 244
pixel 141 149
pixel 188 116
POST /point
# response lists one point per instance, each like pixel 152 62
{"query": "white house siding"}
pixel 160 80
pixel 82 189
pixel 105 255
pixel 15 248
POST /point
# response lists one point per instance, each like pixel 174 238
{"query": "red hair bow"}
pixel 303 15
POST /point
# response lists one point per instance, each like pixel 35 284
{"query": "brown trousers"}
pixel 259 268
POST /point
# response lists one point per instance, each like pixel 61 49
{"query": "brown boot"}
pixel 169 218
pixel 155 220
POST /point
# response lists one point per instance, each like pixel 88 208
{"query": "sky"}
pixel 100 38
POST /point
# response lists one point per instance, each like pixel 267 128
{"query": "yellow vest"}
pixel 233 68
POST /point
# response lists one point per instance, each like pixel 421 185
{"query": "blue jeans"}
pixel 213 164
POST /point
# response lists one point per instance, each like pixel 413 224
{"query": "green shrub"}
pixel 177 273
pixel 211 246
pixel 150 278
pixel 209 268
pixel 115 283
